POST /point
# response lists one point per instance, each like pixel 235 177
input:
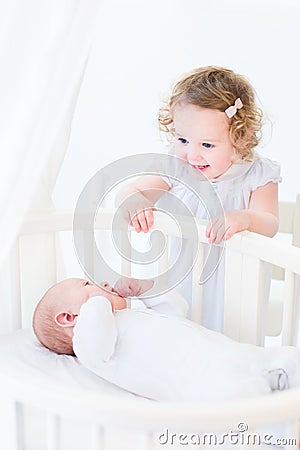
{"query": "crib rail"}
pixel 252 244
pixel 145 422
pixel 248 256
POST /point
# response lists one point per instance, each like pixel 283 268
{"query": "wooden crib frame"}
pixel 247 259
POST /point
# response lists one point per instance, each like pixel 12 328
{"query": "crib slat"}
pixel 97 437
pixel 53 432
pixel 197 287
pixel 15 301
pixel 38 256
pixel 20 425
pixel 163 261
pixel 126 250
pixel 163 264
pixel 125 243
pixel 232 293
pixel 254 300
pixel 88 243
pixel 10 433
pixel 293 435
pixel 289 309
pixel 149 441
pixel 246 295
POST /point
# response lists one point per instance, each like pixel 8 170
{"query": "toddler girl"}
pixel 214 124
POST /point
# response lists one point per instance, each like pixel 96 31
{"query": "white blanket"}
pixel 169 358
pixel 22 356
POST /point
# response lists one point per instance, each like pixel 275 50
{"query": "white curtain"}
pixel 44 47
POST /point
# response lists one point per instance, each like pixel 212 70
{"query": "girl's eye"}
pixel 87 283
pixel 207 145
pixel 183 141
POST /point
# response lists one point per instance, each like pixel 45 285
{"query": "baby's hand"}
pixel 131 287
pixel 224 227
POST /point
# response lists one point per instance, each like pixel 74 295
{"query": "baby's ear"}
pixel 65 319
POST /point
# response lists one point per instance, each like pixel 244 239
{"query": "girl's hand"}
pixel 137 201
pixel 224 227
pixel 142 220
pixel 138 212
pixel 131 287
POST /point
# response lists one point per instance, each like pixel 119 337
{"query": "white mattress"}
pixel 22 355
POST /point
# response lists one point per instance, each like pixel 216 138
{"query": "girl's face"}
pixel 202 139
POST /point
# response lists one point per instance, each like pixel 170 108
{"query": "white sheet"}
pixel 22 355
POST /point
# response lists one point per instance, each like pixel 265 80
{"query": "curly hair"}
pixel 217 88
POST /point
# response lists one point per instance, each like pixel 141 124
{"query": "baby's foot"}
pixel 284 368
pixel 278 379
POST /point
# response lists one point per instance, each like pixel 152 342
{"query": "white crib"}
pixel 49 402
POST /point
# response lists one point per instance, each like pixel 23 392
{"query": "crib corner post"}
pixel 9 433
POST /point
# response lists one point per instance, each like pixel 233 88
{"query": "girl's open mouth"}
pixel 201 167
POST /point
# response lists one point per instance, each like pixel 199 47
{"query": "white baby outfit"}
pixel 234 189
pixel 167 357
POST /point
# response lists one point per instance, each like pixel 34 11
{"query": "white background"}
pixel 142 47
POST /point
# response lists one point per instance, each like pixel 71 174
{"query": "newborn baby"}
pixel 155 351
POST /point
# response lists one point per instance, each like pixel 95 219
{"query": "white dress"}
pixel 159 354
pixel 234 189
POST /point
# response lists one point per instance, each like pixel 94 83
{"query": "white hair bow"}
pixel 231 110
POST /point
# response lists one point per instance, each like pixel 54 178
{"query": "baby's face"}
pixel 76 291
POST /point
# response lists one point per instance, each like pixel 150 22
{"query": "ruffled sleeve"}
pixel 264 171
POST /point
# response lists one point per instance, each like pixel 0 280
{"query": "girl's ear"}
pixel 65 319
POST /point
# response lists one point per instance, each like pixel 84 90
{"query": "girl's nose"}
pixel 194 154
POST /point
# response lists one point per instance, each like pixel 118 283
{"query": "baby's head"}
pixel 55 315
pixel 217 88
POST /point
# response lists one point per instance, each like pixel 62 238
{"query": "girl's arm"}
pixel 261 216
pixel 137 200
pixel 263 210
